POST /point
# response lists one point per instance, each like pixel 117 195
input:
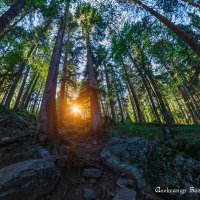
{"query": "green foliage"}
pixel 88 17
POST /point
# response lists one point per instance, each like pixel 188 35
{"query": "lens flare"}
pixel 75 109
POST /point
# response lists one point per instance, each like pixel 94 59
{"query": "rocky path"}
pixel 75 172
pixel 92 179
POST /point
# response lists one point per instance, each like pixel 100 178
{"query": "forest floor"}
pixel 85 155
pixel 84 152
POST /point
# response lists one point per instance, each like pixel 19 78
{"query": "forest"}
pixel 95 87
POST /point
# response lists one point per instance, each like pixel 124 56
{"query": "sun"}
pixel 75 109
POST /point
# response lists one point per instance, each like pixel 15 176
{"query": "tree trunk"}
pixel 93 92
pixel 102 103
pixel 120 107
pixel 21 89
pixel 47 122
pixel 166 115
pixel 133 105
pixel 110 97
pixel 11 26
pixel 10 15
pixel 18 77
pixel 28 98
pixel 36 99
pixel 191 42
pixel 181 109
pixel 148 89
pixel 185 97
pixel 62 96
pixel 25 95
pixel 22 67
pixel 135 98
pixel 5 96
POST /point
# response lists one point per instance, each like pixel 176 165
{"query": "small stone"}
pixel 123 175
pixel 92 173
pixel 94 142
pixel 126 183
pixel 141 184
pixel 89 194
pixel 125 194
pixel 44 153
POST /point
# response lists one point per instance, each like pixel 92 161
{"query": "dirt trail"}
pixel 85 170
pixel 73 183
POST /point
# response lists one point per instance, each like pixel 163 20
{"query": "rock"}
pixel 125 194
pixel 44 153
pixel 89 194
pixel 91 164
pixel 6 139
pixel 64 149
pixel 148 196
pixel 92 181
pixel 118 154
pixel 92 173
pixel 94 142
pixel 123 175
pixel 15 120
pixel 61 161
pixel 89 181
pixel 148 160
pixel 28 180
pixel 106 194
pixel 126 183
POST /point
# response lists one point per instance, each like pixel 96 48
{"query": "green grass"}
pixel 187 138
pixel 152 130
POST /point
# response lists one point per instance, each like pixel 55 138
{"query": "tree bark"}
pixel 133 105
pixel 28 98
pixel 21 89
pixel 110 97
pixel 25 95
pixel 11 14
pixel 120 107
pixel 62 96
pixel 166 113
pixel 96 121
pixel 36 98
pixel 135 98
pixel 47 121
pixel 148 89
